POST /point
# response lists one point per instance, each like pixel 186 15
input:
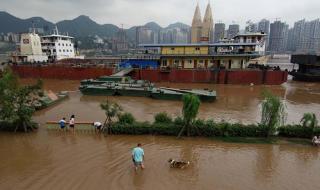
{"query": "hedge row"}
pixel 205 129
pixel 298 131
pixel 211 129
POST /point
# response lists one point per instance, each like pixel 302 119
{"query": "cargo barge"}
pixel 309 68
pixel 139 89
pixel 224 62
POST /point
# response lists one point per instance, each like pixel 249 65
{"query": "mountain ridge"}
pixel 80 26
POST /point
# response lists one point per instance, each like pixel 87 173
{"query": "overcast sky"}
pixel 164 12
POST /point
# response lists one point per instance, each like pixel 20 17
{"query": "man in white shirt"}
pixel 97 126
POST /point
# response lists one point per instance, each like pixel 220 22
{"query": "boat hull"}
pixel 98 91
pixel 305 77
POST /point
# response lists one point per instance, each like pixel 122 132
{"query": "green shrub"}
pixel 316 131
pixel 126 118
pixel 309 120
pixel 162 117
pixel 144 128
pixel 165 129
pixel 209 129
pixel 178 121
pixel 295 131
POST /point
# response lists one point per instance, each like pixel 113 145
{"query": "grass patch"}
pixel 77 127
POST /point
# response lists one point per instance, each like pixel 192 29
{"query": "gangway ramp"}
pixel 123 72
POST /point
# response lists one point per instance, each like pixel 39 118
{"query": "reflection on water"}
pixel 236 103
pixel 53 160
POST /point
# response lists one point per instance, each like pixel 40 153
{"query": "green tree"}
pixel 111 110
pixel 309 120
pixel 273 113
pixel 190 109
pixel 17 103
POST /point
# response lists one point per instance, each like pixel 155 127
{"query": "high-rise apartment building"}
pixel 305 37
pixel 144 35
pixel 278 37
pixel 264 26
pixel 219 31
pixel 233 30
pixel 251 27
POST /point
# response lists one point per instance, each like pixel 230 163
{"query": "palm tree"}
pixel 111 110
pixel 309 120
pixel 273 113
pixel 191 104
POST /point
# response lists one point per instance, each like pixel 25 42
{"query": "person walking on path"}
pixel 62 124
pixel 72 123
pixel 138 157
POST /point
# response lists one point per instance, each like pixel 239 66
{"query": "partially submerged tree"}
pixel 273 113
pixel 17 103
pixel 191 104
pixel 309 120
pixel 111 110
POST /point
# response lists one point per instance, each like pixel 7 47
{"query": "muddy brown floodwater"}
pixel 235 103
pixel 53 160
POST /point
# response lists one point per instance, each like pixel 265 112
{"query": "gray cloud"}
pixel 137 12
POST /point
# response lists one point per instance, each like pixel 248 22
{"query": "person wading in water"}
pixel 71 123
pixel 138 157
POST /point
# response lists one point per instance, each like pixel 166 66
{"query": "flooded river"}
pixel 235 103
pixel 53 160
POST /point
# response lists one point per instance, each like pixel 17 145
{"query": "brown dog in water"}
pixel 178 164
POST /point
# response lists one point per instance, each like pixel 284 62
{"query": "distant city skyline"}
pixel 164 12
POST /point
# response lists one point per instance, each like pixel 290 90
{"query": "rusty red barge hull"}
pixel 257 77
